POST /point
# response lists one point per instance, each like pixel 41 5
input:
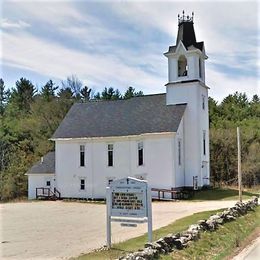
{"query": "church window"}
pixel 203 102
pixel 182 66
pixel 82 184
pixel 82 155
pixel 204 142
pixel 110 148
pixel 109 181
pixel 140 153
pixel 200 67
pixel 179 151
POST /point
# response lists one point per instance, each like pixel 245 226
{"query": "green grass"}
pixel 222 194
pixel 212 245
pixel 222 242
pixel 138 243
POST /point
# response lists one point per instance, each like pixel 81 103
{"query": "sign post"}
pixel 108 219
pixel 149 216
pixel 239 165
pixel 128 202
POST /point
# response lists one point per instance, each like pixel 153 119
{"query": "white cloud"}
pixel 25 51
pixel 222 85
pixel 50 12
pixel 225 27
pixel 229 30
pixel 6 24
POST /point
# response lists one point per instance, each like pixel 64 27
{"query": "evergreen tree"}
pixel 97 96
pixel 22 95
pixel 65 93
pixel 85 93
pixel 130 92
pixel 213 110
pixel 254 108
pixel 110 94
pixel 4 94
pixel 106 94
pixel 117 95
pixel 255 99
pixel 48 90
pixel 235 107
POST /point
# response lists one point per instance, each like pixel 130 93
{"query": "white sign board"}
pixel 128 198
pixel 128 202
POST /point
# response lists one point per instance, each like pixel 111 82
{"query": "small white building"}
pixel 163 138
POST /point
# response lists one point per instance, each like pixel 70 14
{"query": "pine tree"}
pixel 4 95
pixel 48 90
pixel 22 96
pixel 130 92
pixel 85 93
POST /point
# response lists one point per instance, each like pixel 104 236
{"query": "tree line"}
pixel 235 110
pixel 29 117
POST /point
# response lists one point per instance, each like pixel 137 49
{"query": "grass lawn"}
pixel 136 243
pixel 223 194
pixel 220 243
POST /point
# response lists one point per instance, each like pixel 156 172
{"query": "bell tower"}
pixel 186 59
pixel 186 84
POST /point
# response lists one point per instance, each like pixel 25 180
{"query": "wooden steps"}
pixel 47 193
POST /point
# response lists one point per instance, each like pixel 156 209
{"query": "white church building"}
pixel 162 138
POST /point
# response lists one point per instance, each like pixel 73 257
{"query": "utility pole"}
pixel 239 165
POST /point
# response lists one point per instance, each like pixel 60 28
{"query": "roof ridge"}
pixel 116 100
pixel 135 116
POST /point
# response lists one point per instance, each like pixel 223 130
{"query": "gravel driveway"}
pixel 56 229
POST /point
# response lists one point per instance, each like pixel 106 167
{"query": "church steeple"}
pixel 186 58
pixel 186 84
pixel 186 32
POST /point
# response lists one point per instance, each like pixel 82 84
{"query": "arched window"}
pixel 182 66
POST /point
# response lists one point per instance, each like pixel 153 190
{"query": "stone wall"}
pixel 179 241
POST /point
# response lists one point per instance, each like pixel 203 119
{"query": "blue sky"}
pixel 121 43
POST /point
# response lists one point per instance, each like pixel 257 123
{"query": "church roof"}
pixel 47 165
pixel 186 34
pixel 138 115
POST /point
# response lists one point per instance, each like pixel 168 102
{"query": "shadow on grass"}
pixel 221 194
pixel 134 244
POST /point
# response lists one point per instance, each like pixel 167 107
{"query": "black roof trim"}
pixel 184 81
pixel 197 45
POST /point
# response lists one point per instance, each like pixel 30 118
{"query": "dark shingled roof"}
pixel 138 115
pixel 186 34
pixel 47 166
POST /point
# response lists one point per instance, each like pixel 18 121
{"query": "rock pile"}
pixel 179 241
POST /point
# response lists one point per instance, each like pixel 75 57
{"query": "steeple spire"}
pixel 186 32
pixel 186 59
